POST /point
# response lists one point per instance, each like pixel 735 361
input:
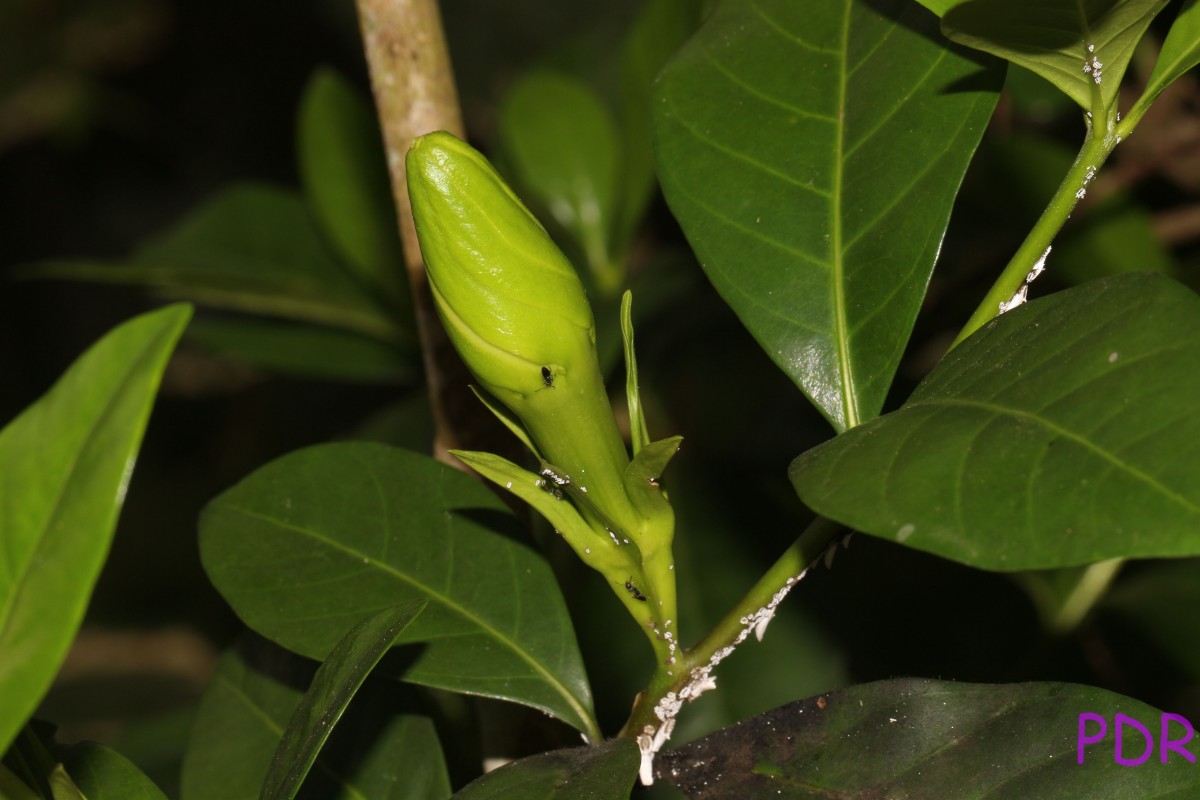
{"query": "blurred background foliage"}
pixel 160 141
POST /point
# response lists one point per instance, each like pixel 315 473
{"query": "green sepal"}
pixel 643 473
pixel 643 488
pixel 510 420
pixel 595 548
pixel 557 479
pixel 638 433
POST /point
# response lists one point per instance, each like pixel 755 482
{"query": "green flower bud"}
pixel 516 312
pixel 510 300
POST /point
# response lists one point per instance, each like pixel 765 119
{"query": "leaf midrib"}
pixel 550 678
pixel 841 325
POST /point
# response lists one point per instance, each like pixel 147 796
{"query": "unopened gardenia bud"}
pixel 511 301
pixel 516 311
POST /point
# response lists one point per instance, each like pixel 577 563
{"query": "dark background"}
pixel 119 116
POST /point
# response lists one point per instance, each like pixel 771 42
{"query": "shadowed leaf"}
pixel 332 689
pixel 604 772
pixel 377 752
pixel 932 740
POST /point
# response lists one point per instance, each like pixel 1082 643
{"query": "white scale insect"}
pixel 1023 293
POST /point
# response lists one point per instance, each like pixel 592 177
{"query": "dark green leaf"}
pixel 65 464
pixel 335 684
pixel 561 143
pixel 306 350
pixel 252 248
pixel 604 772
pixel 1180 52
pixel 1062 433
pixel 345 179
pixel 375 753
pixel 932 740
pixel 104 774
pixel 318 540
pixel 1053 37
pixel 812 151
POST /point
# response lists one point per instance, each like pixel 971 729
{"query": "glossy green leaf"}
pixel 315 542
pixel 65 464
pixel 603 772
pixel 345 179
pixel 932 740
pixel 1180 52
pixel 311 351
pixel 1061 433
pixel 332 689
pixel 104 774
pixel 253 248
pixel 375 753
pixel 1053 37
pixel 817 206
pixel 561 143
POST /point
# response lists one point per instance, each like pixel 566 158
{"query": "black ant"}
pixel 633 590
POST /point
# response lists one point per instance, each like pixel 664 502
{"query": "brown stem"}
pixel 414 92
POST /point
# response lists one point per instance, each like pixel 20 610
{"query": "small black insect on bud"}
pixel 548 377
pixel 633 590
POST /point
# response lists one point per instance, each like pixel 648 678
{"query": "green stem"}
pixel 672 678
pixel 1091 586
pixel 1096 148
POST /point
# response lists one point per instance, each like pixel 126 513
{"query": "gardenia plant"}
pixel 811 152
